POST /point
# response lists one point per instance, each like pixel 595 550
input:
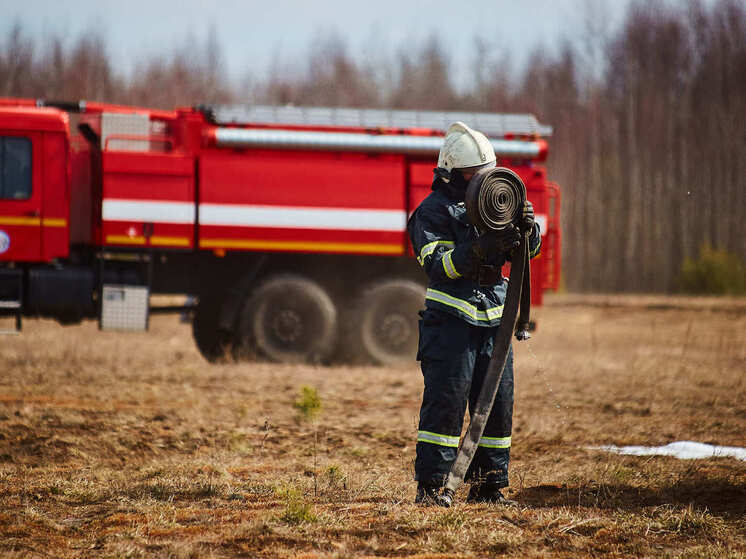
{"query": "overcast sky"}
pixel 252 34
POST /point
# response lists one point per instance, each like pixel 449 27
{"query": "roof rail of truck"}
pixel 82 106
pixel 496 125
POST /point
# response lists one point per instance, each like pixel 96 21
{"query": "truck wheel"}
pixel 213 344
pixel 289 319
pixel 388 331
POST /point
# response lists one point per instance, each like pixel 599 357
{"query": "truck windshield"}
pixel 15 168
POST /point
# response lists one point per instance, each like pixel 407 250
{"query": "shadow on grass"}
pixel 719 496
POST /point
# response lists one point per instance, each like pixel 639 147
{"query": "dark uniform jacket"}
pixel 442 238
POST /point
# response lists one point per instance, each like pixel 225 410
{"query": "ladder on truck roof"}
pixel 496 125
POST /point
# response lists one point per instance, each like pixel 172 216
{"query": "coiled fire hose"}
pixel 494 201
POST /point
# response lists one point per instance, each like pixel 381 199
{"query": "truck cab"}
pixel 34 185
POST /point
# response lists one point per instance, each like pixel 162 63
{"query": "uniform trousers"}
pixel 454 356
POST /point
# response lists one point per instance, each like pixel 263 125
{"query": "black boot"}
pixel 428 495
pixel 487 493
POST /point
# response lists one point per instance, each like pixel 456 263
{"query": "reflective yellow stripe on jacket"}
pixel 464 306
pixel 448 266
pixel 429 248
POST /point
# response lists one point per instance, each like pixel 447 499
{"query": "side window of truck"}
pixel 15 168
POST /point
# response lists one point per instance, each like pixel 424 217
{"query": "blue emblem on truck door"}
pixel 4 242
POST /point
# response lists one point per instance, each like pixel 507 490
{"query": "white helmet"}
pixel 464 148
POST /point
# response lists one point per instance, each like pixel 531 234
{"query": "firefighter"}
pixel 463 306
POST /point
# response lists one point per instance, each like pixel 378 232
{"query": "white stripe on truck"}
pixel 294 217
pixel 286 217
pixel 147 210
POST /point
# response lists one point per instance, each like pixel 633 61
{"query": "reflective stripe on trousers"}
pixel 495 442
pixel 436 438
pixel 447 440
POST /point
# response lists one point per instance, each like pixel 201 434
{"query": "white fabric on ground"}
pixel 686 450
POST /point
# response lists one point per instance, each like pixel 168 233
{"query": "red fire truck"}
pixel 286 224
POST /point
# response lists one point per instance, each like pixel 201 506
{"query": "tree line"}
pixel 649 142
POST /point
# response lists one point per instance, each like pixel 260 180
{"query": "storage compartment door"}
pixel 148 200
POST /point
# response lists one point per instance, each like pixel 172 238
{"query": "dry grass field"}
pixel 130 445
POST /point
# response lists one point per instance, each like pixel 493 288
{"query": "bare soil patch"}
pixel 131 445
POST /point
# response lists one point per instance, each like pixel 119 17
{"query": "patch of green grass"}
pixel 308 403
pixel 714 272
pixel 297 510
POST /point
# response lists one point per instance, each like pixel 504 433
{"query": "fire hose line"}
pixel 494 200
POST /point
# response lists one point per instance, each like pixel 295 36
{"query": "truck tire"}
pixel 387 330
pixel 213 343
pixel 288 319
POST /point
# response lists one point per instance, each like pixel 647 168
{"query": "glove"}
pixel 496 242
pixel 527 217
